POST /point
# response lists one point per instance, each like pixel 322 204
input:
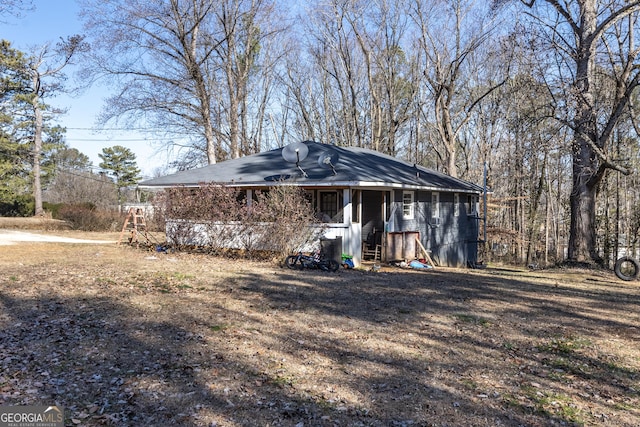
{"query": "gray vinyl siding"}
pixel 447 243
pixel 452 239
pixel 403 224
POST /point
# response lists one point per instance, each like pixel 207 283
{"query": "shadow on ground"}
pixel 283 348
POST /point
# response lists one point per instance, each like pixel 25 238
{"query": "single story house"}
pixel 376 205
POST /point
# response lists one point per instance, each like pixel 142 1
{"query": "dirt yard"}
pixel 126 337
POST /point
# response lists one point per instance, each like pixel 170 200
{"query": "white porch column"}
pixel 351 244
pixel 346 206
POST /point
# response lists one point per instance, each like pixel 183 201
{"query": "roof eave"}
pixel 325 184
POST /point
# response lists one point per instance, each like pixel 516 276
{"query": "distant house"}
pixel 375 204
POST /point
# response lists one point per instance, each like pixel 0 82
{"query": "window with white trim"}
pixel 435 205
pixel 407 204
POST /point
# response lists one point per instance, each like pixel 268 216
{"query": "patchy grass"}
pixel 470 318
pixel 33 223
pixel 124 338
pixel 564 344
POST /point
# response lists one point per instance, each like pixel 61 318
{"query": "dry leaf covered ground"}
pixel 125 337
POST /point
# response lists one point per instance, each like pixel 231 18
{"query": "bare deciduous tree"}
pixel 381 31
pixel 14 7
pixel 185 67
pixel 334 51
pixel 71 186
pixel 588 37
pixel 450 35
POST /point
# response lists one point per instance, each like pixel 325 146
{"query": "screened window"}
pixel 329 204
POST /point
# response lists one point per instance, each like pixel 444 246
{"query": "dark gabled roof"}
pixel 355 167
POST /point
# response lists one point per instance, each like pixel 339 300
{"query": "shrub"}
pixel 219 217
pixel 21 206
pixel 53 209
pixel 287 216
pixel 87 217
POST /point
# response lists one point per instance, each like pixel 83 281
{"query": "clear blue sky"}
pixel 50 21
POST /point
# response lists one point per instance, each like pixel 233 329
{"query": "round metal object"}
pixel 295 152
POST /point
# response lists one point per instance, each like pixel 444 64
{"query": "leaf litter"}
pixel 122 337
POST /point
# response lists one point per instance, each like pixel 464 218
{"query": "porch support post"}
pixel 346 218
pixel 351 243
pixel 346 206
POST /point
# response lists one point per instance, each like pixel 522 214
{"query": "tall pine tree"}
pixel 120 163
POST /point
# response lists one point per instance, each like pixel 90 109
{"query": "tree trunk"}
pixel 189 37
pixel 532 232
pixel 447 134
pixel 37 150
pixel 36 83
pixel 582 231
pixel 586 174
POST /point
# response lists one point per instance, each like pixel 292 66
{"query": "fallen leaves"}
pixel 122 339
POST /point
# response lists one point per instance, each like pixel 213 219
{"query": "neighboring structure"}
pixel 371 201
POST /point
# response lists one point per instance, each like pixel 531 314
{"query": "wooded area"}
pixel 542 93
